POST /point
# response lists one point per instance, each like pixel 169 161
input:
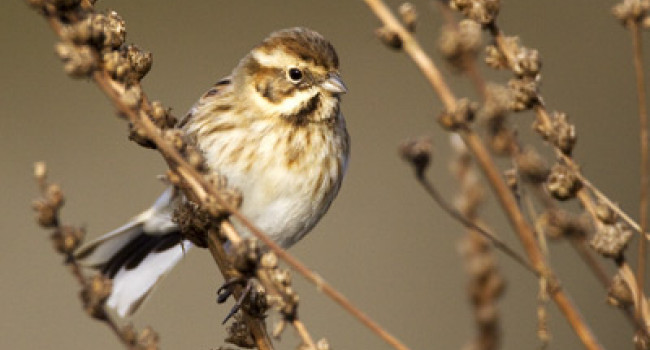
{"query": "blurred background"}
pixel 384 243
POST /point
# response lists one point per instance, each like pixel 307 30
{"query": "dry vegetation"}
pixel 92 45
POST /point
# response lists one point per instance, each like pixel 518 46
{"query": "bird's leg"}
pixel 245 294
pixel 226 289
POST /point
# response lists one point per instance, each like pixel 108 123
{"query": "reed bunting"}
pixel 275 130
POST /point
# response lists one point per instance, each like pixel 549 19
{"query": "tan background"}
pixel 384 243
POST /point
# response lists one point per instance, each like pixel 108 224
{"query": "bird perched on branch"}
pixel 274 129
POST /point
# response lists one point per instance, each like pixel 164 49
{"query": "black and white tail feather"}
pixel 137 255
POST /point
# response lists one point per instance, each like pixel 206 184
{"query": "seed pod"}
pixel 611 240
pixel 454 120
pixel 389 37
pixel 79 61
pixel 562 182
pixel 409 16
pixel 532 166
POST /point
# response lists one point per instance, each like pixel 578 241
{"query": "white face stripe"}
pixel 289 104
pixel 276 58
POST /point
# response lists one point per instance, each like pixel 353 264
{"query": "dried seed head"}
pixel 565 133
pixel 67 239
pixel 494 58
pixel 140 62
pixel 116 65
pixel 418 153
pixel 148 339
pixel 510 175
pixel 459 44
pixel 619 293
pixel 79 61
pixel 389 37
pixel 94 296
pixel 611 240
pixel 246 255
pixel 486 314
pixel 161 116
pixel 531 166
pixel 255 303
pixel 46 214
pixel 501 139
pixel 194 223
pixel 525 93
pixel 526 62
pixel 175 137
pixel 239 334
pixel 558 224
pixel 562 182
pixel 229 195
pixel 481 265
pixel 114 30
pixel 323 344
pixel 132 96
pixel 454 120
pixel 269 260
pixel 482 11
pixel 631 11
pixel 195 158
pixel 559 132
pixel 40 171
pixel 79 32
pixel 409 16
pixel 605 214
pixel 497 103
pixel 129 334
pixel 138 135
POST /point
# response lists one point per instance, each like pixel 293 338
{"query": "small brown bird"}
pixel 275 130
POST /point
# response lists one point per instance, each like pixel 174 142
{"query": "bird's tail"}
pixel 137 255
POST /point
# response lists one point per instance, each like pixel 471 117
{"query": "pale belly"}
pixel 278 202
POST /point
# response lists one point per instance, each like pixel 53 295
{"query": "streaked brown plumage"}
pixel 274 129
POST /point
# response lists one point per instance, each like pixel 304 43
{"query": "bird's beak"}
pixel 334 84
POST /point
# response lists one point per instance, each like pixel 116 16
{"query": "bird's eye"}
pixel 295 74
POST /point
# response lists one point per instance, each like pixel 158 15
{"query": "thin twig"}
pixel 101 314
pixel 496 241
pixel 635 30
pixel 474 143
pixel 304 334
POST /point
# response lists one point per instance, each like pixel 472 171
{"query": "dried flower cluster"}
pixel 532 183
pixel 95 289
pixel 93 45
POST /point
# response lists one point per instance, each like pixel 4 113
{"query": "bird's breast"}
pixel 288 176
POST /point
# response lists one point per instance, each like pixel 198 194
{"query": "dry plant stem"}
pixel 198 189
pixel 601 197
pixel 628 276
pixel 256 326
pixel 544 118
pixel 323 286
pixel 304 334
pixel 75 269
pixel 582 195
pixel 496 241
pixel 643 124
pixel 476 146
